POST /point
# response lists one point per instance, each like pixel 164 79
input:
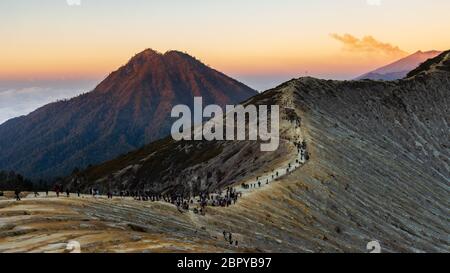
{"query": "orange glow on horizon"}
pixel 236 37
pixel 86 64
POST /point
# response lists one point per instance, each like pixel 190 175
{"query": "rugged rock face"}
pixel 378 169
pixel 130 108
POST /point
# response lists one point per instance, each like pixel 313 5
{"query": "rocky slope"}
pixel 130 108
pixel 168 166
pixel 378 170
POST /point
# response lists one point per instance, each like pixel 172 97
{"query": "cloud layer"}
pixel 18 102
pixel 367 44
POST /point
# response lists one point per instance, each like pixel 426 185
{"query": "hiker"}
pixel 78 192
pixel 67 192
pixel 17 193
pixel 259 184
pixel 57 189
pixel 46 193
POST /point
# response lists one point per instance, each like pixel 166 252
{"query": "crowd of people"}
pixel 185 202
pixel 302 150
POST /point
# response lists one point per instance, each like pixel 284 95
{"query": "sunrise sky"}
pixel 50 45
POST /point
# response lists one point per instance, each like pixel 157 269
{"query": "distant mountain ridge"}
pixel 128 109
pixel 399 69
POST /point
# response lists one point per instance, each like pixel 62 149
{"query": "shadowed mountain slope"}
pixel 130 108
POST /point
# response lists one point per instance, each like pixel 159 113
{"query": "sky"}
pixel 52 49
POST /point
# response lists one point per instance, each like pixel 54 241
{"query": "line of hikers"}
pixel 257 184
pixel 304 156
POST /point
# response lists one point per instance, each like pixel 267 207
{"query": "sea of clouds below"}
pixel 18 98
pixel 18 102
